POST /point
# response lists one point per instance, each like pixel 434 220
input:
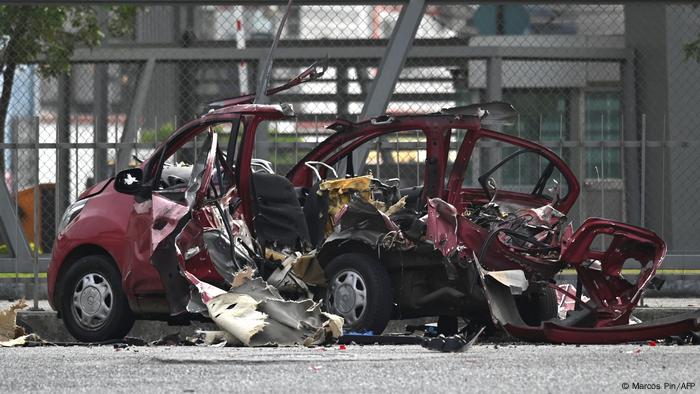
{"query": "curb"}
pixel 50 328
pixel 47 325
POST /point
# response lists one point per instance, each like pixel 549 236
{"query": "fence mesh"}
pixel 616 100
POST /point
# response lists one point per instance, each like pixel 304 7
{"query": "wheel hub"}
pixel 345 298
pixel 348 296
pixel 92 301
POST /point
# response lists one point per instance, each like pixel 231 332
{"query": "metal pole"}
pixel 65 91
pixel 101 109
pixel 296 144
pixel 77 160
pixel 494 79
pixel 631 159
pixel 264 77
pixel 520 163
pixel 155 135
pixel 393 60
pixel 663 178
pixel 417 158
pixel 561 143
pixel 602 166
pixel 622 165
pixel 129 132
pixel 115 161
pixel 643 175
pixel 15 192
pixel 398 158
pixel 494 92
pixel 274 144
pixel 37 241
pixel 58 185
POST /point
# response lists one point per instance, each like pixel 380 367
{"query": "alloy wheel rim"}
pixel 348 296
pixel 92 301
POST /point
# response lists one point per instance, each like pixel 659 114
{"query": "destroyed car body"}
pixel 136 246
pixel 463 244
pixel 116 256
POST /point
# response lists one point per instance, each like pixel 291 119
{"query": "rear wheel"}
pixel 359 290
pixel 92 303
pixel 538 305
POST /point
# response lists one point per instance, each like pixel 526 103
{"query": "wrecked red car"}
pixel 469 242
pixel 467 245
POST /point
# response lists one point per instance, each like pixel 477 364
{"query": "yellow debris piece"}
pixel 341 190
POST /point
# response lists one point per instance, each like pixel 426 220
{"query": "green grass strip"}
pixel 21 275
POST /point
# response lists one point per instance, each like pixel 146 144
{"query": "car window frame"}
pixel 466 153
pixel 180 138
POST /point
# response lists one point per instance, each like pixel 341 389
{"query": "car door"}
pixel 170 217
pixel 510 171
pixel 157 210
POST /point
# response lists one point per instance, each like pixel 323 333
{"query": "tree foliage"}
pixel 54 31
pixel 47 35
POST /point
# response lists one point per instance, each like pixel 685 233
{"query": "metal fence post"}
pixel 643 172
pixel 129 134
pixel 37 240
pixel 382 87
pixel 494 79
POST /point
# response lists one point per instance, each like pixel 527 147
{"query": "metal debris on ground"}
pixel 10 333
pixel 454 343
pixel 255 314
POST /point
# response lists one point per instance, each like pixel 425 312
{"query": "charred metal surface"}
pixel 164 258
pixel 219 249
pixel 252 313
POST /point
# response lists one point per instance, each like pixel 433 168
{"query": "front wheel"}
pixel 92 302
pixel 359 290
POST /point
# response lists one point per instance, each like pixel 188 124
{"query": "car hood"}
pixel 95 189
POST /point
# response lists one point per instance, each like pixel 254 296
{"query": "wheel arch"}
pixel 335 248
pixel 75 255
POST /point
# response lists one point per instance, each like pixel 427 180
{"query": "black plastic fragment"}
pixel 451 344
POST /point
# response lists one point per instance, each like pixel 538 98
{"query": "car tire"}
pixel 359 290
pixel 92 303
pixel 538 305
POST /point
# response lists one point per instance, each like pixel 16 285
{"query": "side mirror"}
pixel 128 181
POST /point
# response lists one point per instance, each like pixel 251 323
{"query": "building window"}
pixel 603 124
pixel 542 114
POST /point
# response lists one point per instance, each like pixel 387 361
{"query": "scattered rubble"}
pixel 10 333
pixel 252 313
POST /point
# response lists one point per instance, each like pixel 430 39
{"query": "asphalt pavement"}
pixel 486 367
pixel 355 369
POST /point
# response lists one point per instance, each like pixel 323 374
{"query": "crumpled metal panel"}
pixel 255 314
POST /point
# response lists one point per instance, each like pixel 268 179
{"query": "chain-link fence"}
pixel 605 86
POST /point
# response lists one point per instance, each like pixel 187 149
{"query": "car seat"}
pixel 278 218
